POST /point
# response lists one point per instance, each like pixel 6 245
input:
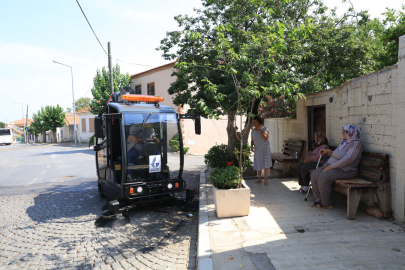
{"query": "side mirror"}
pixel 98 127
pixel 197 125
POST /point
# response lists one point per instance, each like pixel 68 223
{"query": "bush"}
pixel 174 143
pixel 245 158
pixel 217 156
pixel 225 178
pixel 185 149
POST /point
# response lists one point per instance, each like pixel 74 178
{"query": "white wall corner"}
pixel 400 123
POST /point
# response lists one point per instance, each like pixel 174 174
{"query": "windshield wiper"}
pixel 143 123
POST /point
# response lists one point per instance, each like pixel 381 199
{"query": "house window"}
pixel 91 124
pixel 138 89
pixel 83 124
pixel 151 89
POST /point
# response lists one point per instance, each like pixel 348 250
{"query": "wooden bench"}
pixel 287 156
pixel 373 178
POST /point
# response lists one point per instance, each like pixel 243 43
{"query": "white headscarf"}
pixel 353 134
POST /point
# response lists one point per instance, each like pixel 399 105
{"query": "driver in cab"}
pixel 137 137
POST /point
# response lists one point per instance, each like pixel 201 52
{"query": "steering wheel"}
pixel 147 141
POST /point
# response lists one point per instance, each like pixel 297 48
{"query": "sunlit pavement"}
pixel 282 231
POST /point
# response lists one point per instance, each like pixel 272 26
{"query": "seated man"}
pixel 137 137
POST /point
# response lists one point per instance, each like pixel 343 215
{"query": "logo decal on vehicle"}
pixel 154 163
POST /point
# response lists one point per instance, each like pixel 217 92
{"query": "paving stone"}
pixel 56 230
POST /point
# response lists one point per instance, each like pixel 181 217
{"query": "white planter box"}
pixel 232 202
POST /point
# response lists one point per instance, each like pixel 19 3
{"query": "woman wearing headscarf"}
pixel 311 160
pixel 342 165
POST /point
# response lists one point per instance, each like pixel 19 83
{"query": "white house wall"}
pixel 83 136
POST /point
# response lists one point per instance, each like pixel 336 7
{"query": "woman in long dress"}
pixel 261 148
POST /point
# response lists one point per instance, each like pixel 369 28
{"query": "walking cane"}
pixel 310 186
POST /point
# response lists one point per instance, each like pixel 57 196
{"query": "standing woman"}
pixel 261 148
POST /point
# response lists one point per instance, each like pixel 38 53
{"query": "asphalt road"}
pixel 39 168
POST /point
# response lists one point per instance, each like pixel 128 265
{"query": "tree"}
pixel 101 88
pixel 80 103
pixel 2 125
pixel 236 53
pixel 53 117
pixel 386 34
pixel 37 126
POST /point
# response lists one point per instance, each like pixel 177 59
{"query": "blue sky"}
pixel 33 33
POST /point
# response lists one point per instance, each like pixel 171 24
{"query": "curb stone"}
pixel 204 260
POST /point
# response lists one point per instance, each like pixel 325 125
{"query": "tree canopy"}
pixel 386 35
pixel 80 103
pixel 101 88
pixel 236 53
pixel 2 125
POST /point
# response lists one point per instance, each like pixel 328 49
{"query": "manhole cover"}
pixel 64 178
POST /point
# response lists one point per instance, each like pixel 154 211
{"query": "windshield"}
pixel 4 132
pixel 149 154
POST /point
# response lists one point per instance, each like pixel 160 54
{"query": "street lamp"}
pixel 73 93
pixel 22 110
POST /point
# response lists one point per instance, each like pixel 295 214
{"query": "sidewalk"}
pixel 282 231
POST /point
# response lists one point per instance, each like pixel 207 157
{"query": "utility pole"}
pixel 26 122
pixel 22 110
pixel 110 68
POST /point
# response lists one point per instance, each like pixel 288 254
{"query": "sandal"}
pixel 320 206
pixel 302 191
pixel 258 181
pixel 266 183
pixel 315 204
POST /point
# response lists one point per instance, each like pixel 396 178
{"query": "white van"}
pixel 6 136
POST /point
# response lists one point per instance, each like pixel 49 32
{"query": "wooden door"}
pixel 316 122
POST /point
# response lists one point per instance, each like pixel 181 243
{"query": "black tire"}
pixel 100 191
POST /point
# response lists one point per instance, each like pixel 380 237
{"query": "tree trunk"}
pixel 44 136
pixel 55 140
pixel 232 137
pixel 249 124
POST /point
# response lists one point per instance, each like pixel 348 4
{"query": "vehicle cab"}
pixel 134 160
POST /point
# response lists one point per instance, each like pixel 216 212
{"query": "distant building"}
pixel 86 124
pixel 67 132
pixel 18 127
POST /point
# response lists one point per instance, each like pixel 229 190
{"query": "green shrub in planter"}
pixel 217 156
pixel 225 178
pixel 185 149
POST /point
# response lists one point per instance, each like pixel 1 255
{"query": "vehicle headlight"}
pixel 169 186
pixel 139 189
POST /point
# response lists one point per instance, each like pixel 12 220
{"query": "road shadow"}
pixel 81 151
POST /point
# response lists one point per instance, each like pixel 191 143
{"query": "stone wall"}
pixel 375 103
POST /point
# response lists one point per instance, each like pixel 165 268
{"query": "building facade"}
pixel 86 125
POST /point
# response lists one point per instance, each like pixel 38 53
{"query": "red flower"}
pixel 229 163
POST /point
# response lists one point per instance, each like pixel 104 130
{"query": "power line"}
pixel 91 27
pixel 131 63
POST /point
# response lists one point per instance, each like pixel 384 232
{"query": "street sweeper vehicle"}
pixel 134 160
